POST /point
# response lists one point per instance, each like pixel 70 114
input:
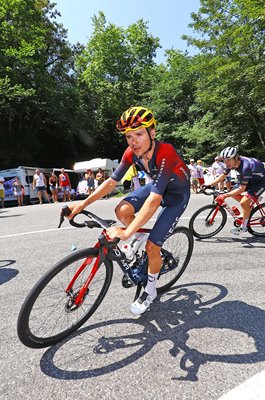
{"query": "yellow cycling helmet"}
pixel 134 118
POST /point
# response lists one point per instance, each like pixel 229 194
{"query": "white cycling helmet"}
pixel 228 152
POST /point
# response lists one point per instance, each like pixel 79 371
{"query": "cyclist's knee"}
pixel 124 210
pixel 152 248
pixel 245 202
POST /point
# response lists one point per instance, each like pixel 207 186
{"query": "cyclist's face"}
pixel 230 162
pixel 138 141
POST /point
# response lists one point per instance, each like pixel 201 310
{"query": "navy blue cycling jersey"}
pixel 250 171
pixel 167 169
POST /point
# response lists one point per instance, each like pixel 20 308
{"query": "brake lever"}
pixel 64 213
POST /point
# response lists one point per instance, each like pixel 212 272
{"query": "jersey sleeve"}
pixel 126 162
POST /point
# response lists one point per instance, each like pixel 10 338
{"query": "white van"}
pixel 25 175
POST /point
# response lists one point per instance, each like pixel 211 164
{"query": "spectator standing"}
pixel 217 170
pixel 100 176
pixel 90 178
pixel 2 192
pixel 18 187
pixel 200 173
pixel 65 185
pixel 40 183
pixel 53 182
pixel 194 175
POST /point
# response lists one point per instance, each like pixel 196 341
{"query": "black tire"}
pixel 177 251
pixel 257 221
pixel 46 316
pixel 199 226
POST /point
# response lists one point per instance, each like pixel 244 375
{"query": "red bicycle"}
pixel 210 219
pixel 68 294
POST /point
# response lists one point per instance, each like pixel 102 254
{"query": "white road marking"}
pixel 52 230
pixel 251 389
pixel 34 232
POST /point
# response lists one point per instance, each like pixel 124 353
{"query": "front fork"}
pixel 78 297
pixel 213 215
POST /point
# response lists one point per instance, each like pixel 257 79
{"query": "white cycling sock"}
pixel 151 283
pixel 244 223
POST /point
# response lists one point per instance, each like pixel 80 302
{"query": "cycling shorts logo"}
pixel 134 199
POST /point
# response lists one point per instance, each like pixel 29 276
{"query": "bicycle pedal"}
pixel 126 282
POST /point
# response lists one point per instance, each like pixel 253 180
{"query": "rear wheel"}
pixel 256 224
pixel 176 253
pixel 49 313
pixel 201 224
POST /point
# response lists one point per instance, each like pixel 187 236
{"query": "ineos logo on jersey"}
pixel 160 171
pixel 171 230
pixel 184 172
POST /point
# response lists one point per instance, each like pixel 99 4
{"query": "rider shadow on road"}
pixel 248 242
pixel 6 274
pixel 177 316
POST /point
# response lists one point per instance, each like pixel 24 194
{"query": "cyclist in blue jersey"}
pixel 170 189
pixel 251 182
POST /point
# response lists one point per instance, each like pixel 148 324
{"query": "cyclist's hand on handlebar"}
pixel 115 232
pixel 220 199
pixel 204 187
pixel 75 209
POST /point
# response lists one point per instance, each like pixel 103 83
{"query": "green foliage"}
pixel 231 67
pixel 115 69
pixel 59 103
pixel 36 86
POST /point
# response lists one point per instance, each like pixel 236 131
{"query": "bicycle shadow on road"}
pixel 6 274
pixel 176 316
pixel 248 242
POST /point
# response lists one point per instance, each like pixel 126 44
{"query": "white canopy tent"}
pixel 105 163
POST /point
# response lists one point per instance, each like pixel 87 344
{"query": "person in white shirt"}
pixel 194 175
pixel 200 173
pixel 40 183
pixel 217 170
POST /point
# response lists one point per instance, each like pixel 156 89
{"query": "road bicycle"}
pixel 210 219
pixel 67 295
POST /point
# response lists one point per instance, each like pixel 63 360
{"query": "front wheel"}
pixel 207 221
pixel 49 313
pixel 176 253
pixel 256 225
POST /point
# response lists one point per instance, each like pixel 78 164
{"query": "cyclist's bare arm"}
pixel 105 188
pixel 148 209
pixel 220 178
pixel 235 192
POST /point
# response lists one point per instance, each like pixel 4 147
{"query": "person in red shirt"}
pixel 65 185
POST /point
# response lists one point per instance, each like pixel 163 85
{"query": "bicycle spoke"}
pixel 49 313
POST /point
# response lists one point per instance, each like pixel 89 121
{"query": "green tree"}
pixel 114 69
pixel 38 98
pixel 171 98
pixel 231 65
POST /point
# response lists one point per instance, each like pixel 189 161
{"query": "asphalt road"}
pixel 181 349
